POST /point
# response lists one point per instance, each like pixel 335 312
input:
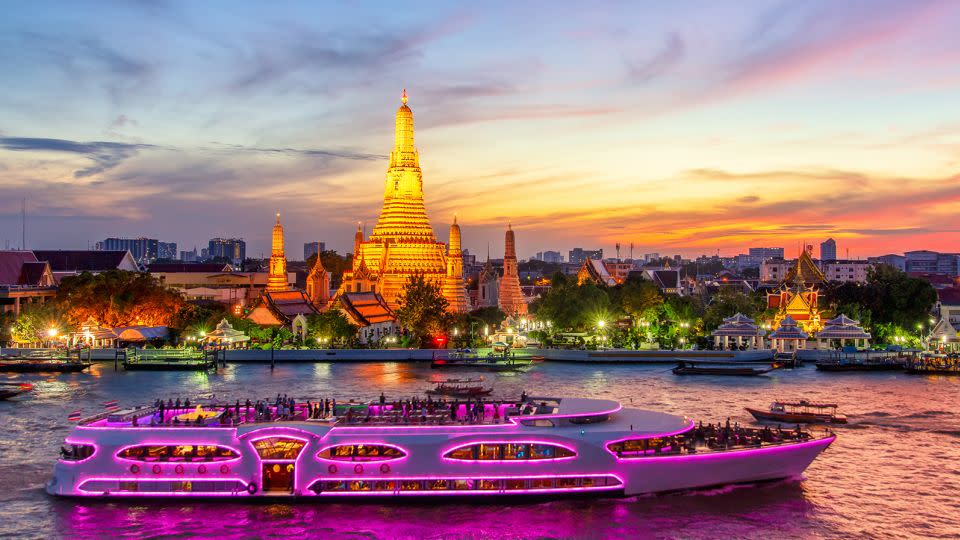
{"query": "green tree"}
pixel 423 309
pixel 332 325
pixel 35 321
pixel 639 298
pixel 728 303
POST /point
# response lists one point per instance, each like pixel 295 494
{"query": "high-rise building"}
pixel 143 250
pixel 552 257
pixel 511 297
pixel 234 249
pixel 578 255
pixel 312 248
pixel 932 262
pixel 277 276
pixel 828 250
pixel 764 253
pixel 167 250
pixel 189 256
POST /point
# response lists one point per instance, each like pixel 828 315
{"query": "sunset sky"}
pixel 682 127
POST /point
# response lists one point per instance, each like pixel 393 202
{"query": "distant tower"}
pixel 488 293
pixel 511 297
pixel 453 287
pixel 318 284
pixel 618 251
pixel 357 241
pixel 277 278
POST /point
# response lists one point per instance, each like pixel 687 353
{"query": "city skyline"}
pixel 793 124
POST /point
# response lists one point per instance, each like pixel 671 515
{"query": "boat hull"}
pixel 40 367
pixel 789 418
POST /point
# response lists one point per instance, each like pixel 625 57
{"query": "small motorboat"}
pixel 13 389
pixel 461 388
pixel 691 368
pixel 800 412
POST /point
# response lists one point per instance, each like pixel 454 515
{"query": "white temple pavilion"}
pixel 841 331
pixel 736 332
pixel 788 337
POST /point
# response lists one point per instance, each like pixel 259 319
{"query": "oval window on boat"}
pixel 76 452
pixel 178 452
pixel 361 452
pixel 509 451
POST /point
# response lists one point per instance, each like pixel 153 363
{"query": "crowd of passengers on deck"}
pixel 714 437
pixel 404 411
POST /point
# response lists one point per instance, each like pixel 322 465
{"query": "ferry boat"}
pixel 461 388
pixel 536 446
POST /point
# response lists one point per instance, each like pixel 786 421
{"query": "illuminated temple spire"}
pixel 453 287
pixel 403 214
pixel 277 277
pixel 512 301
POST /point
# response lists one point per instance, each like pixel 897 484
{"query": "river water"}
pixel 894 471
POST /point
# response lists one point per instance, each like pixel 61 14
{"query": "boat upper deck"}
pixel 534 411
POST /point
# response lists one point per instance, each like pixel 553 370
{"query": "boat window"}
pixel 76 452
pixel 540 422
pixel 589 419
pixel 462 485
pixel 361 452
pixel 488 484
pixel 384 485
pixel 180 452
pixel 509 452
pixel 541 483
pixel 515 484
pixel 410 485
pixel 437 485
pixel 360 485
pixel 279 447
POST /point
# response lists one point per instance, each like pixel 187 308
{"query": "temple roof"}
pixel 788 329
pixel 286 305
pixel 86 260
pixel 594 270
pixel 366 308
pixel 805 271
pixel 737 325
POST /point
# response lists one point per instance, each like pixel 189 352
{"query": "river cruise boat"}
pixel 802 412
pixel 536 446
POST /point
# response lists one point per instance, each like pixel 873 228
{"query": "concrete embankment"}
pixel 628 356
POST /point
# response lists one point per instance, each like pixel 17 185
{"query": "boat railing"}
pixel 700 441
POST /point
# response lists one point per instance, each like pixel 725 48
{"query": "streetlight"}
pixel 52 333
pixel 601 323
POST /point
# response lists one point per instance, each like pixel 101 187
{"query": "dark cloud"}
pixel 747 199
pixel 105 154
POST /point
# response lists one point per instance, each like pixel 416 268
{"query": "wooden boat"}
pixel 462 388
pixel 9 390
pixel 690 368
pixel 800 412
pixel 787 359
pixel 22 364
